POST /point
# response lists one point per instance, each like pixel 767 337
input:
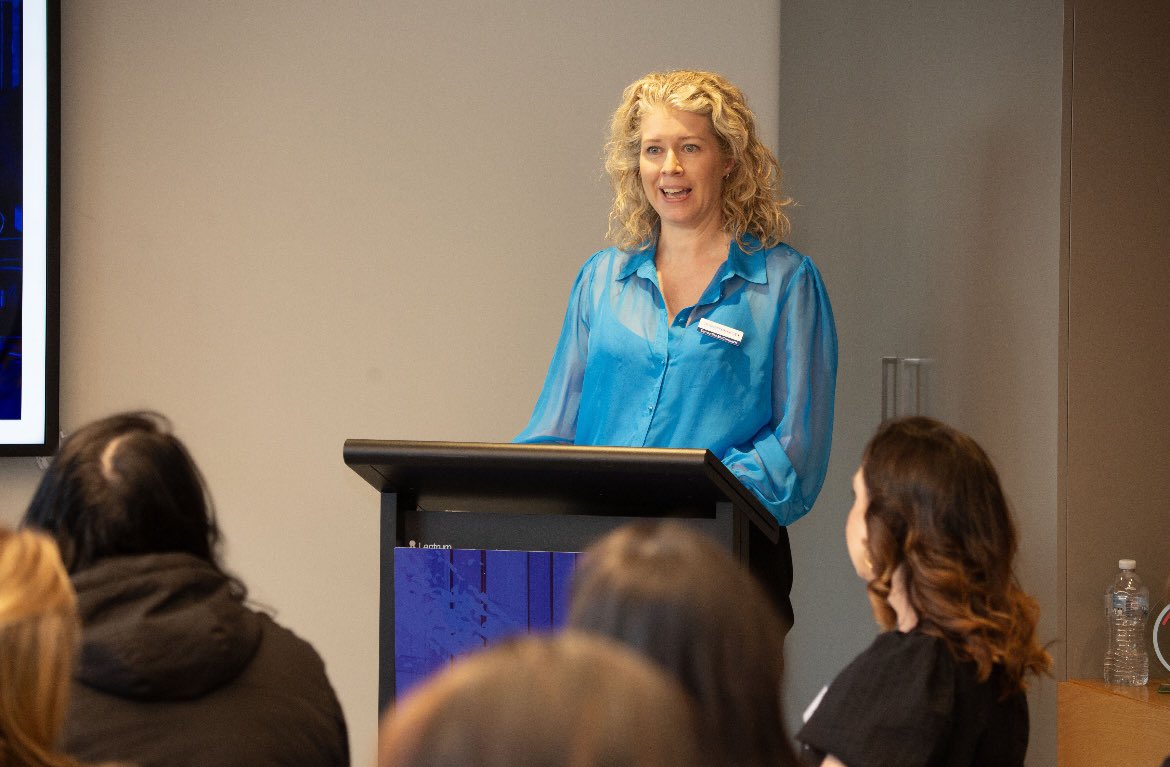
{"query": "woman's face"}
pixel 855 530
pixel 682 168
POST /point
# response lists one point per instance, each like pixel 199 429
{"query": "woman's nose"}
pixel 670 164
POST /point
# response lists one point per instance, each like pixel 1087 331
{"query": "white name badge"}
pixel 722 332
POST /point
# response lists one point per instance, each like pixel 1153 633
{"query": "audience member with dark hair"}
pixel 38 641
pixel 175 668
pixel 570 700
pixel 931 535
pixel 679 598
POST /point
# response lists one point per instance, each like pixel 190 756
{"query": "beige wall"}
pixel 289 223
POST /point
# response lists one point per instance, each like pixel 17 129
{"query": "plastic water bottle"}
pixel 1127 605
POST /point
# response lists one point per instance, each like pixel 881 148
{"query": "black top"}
pixel 906 701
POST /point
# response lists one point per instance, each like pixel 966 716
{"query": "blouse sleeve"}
pixel 554 419
pixel 785 462
pixel 891 707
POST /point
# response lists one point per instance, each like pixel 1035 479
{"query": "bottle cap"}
pixel 1127 564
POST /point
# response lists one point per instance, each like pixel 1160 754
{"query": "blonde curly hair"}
pixel 39 632
pixel 752 201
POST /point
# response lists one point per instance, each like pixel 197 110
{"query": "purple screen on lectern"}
pixel 448 602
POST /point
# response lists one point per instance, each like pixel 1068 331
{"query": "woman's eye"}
pixel 691 148
pixel 652 150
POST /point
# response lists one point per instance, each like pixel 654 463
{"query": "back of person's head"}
pixel 571 700
pixel 38 639
pixel 679 598
pixel 121 486
pixel 938 514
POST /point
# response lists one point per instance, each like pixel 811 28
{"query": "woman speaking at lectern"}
pixel 699 327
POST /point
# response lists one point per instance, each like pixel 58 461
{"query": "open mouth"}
pixel 674 193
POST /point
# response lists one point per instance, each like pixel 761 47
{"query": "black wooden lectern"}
pixel 539 498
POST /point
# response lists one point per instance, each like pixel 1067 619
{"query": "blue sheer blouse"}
pixel 623 374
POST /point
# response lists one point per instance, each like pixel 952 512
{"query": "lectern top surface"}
pixel 556 479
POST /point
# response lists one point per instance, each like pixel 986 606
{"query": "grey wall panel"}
pixel 922 144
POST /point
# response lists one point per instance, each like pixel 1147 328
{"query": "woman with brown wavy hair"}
pixel 931 535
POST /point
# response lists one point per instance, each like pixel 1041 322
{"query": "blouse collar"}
pixel 740 263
